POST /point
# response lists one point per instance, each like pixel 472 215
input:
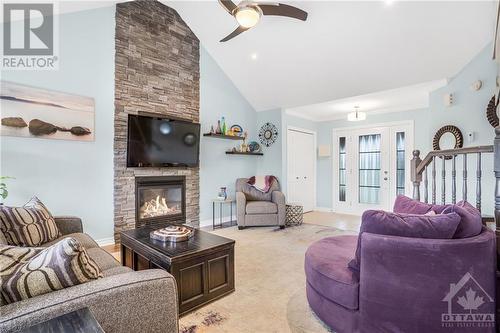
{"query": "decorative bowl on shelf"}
pixel 236 130
pixel 254 147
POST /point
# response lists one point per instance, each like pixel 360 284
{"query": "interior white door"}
pixel 301 168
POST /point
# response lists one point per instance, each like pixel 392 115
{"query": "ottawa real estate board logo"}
pixel 30 36
pixel 469 305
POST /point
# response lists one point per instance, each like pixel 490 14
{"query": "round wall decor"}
pixel 491 111
pixel 447 132
pixel 268 134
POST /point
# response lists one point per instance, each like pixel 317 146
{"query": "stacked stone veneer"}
pixel 156 71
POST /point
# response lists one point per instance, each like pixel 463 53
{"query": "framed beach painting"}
pixel 39 113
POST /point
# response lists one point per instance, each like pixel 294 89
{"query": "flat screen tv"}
pixel 156 142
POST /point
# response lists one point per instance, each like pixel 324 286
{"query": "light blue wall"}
pixel 74 178
pixel 468 113
pixel 219 97
pixel 270 163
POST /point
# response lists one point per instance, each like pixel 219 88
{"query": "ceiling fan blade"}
pixel 228 5
pixel 235 33
pixel 280 9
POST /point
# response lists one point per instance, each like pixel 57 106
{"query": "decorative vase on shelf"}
pixel 218 130
pixel 212 131
pixel 224 128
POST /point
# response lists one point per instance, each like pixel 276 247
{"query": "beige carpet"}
pixel 270 284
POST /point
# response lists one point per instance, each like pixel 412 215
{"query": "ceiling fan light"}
pixel 247 17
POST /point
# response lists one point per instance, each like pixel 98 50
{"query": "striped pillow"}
pixel 28 272
pixel 30 225
pixel 11 257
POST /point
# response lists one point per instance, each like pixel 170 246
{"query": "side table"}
pixel 221 204
pixel 294 214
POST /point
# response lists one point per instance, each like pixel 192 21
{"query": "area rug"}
pixel 270 284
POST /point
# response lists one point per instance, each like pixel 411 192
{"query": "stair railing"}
pixel 420 172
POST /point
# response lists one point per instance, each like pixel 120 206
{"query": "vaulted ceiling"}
pixel 344 49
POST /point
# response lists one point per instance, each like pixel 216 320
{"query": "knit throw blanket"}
pixel 261 183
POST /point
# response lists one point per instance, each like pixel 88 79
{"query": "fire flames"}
pixel 157 207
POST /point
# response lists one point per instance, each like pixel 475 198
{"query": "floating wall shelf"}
pixel 221 136
pixel 242 153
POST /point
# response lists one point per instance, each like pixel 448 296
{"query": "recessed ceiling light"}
pixel 253 56
pixel 389 2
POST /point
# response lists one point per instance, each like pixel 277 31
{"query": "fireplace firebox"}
pixel 160 201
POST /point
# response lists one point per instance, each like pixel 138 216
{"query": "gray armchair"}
pixel 254 208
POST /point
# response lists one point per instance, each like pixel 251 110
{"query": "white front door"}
pixel 371 162
pixel 370 167
pixel 301 155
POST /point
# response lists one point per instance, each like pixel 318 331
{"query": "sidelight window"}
pixel 400 163
pixel 342 169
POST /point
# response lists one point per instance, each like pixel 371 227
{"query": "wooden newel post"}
pixel 416 178
pixel 496 156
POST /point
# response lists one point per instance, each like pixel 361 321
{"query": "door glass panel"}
pixel 400 163
pixel 342 169
pixel 369 169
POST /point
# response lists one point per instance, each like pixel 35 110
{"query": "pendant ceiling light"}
pixel 356 115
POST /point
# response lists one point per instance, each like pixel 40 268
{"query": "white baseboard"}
pixel 323 209
pixel 105 241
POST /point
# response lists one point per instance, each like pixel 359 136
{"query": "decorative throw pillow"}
pixel 470 218
pixel 30 225
pixel 404 204
pixel 11 257
pixel 59 266
pixel 471 222
pixel 441 226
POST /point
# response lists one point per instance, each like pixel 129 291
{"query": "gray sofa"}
pixel 255 208
pixel 122 301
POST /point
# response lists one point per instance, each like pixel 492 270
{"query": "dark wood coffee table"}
pixel 203 266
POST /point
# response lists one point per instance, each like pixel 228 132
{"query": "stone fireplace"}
pixel 160 200
pixel 157 71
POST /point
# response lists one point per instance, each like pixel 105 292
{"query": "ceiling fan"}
pixel 248 14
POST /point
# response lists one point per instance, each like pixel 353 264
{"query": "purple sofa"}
pixel 404 284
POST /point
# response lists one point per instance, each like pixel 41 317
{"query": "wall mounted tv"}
pixel 158 142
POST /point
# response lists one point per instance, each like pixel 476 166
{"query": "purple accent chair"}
pixel 403 283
